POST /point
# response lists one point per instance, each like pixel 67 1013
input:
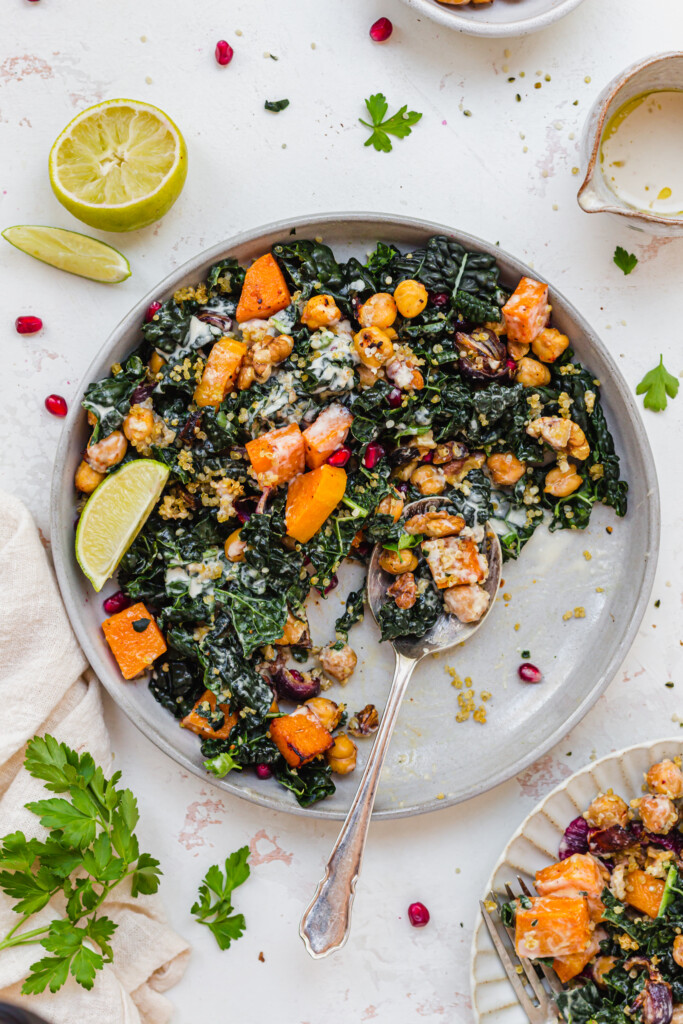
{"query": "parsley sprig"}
pixel 626 261
pixel 214 907
pixel 399 124
pixel 656 385
pixel 89 850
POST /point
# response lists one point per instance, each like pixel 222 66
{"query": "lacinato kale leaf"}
pixel 109 399
pixel 226 277
pixel 416 621
pixel 353 613
pixel 168 327
pixel 309 784
pixel 310 266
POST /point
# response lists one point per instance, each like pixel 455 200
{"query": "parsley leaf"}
pixel 221 764
pixel 656 385
pixel 399 124
pixel 276 105
pixel 626 261
pixel 214 906
pixel 90 848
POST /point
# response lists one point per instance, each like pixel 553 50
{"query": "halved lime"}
pixel 114 515
pixel 119 165
pixel 70 251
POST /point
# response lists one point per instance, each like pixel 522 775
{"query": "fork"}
pixel 537 1002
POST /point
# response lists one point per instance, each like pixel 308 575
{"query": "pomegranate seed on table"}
pixel 418 914
pixel 56 405
pixel 263 771
pixel 152 310
pixel 28 324
pixel 373 454
pixel 395 397
pixel 116 603
pixel 529 673
pixel 381 30
pixel 224 52
pixel 340 457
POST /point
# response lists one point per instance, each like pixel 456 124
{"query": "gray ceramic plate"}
pixel 497 19
pixel 433 761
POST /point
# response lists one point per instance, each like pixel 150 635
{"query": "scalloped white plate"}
pixel 497 19
pixel 535 844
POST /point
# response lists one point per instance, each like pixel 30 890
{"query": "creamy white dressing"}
pixel 641 153
pixel 199 583
pixel 334 358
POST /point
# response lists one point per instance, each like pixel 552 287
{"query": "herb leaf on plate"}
pixel 399 124
pixel 656 385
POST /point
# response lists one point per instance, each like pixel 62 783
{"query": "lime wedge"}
pixel 70 251
pixel 119 165
pixel 114 515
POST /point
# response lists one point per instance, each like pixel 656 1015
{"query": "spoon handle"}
pixel 326 922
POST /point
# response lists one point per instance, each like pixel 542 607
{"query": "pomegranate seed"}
pixel 418 914
pixel 395 397
pixel 511 365
pixel 263 771
pixel 152 310
pixel 439 299
pixel 56 405
pixel 381 30
pixel 334 582
pixel 428 456
pixel 373 453
pixel 340 457
pixel 224 52
pixel 28 324
pixel 116 603
pixel 402 487
pixel 529 673
pixel 296 674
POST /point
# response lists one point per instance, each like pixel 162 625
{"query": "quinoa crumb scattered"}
pixel 587 555
pixel 580 612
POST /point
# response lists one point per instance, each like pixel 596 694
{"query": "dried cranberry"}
pixel 28 324
pixel 402 487
pixel 381 30
pixel 141 393
pixel 224 52
pixel 428 457
pixel 529 673
pixel 439 299
pixel 152 311
pixel 340 457
pixel 244 508
pixel 116 603
pixel 263 771
pixel 418 914
pixel 395 397
pixel 56 405
pixel 373 454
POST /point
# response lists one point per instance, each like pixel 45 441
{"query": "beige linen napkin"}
pixel 46 686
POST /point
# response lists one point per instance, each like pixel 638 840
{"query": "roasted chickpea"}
pixel 505 469
pixel 321 311
pixel 374 348
pixel 138 424
pixel 658 814
pixel 338 664
pixel 428 480
pixel 531 373
pixel 106 453
pixel 411 298
pixel 404 590
pixel 392 505
pixel 368 377
pixel 677 1015
pixel 554 430
pixel 235 547
pixel 341 756
pixel 155 363
pixel 397 562
pixel 602 966
pixel 549 344
pixel 406 471
pixel 606 810
pixel 326 711
pixel 86 479
pixel 578 446
pixel 404 374
pixel 378 311
pixel 517 349
pixel 562 482
pixel 665 778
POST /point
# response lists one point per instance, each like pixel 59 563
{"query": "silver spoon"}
pixel 326 923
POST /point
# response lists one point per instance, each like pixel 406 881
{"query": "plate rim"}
pixel 322 222
pixel 538 809
pixel 452 19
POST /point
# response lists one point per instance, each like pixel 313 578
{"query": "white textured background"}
pixel 248 167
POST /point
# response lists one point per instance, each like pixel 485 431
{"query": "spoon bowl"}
pixel 326 923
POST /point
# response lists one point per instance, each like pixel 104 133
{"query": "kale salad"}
pixel 298 406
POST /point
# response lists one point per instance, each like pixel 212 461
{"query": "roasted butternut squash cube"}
pixel 526 312
pixel 644 892
pixel 455 560
pixel 264 291
pixel 326 434
pixel 201 725
pixel 277 456
pixel 552 926
pixel 134 638
pixel 300 737
pixel 568 967
pixel 311 498
pixel 580 874
pixel 220 372
pixel 295 632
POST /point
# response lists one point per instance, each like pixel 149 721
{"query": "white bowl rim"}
pixel 451 18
